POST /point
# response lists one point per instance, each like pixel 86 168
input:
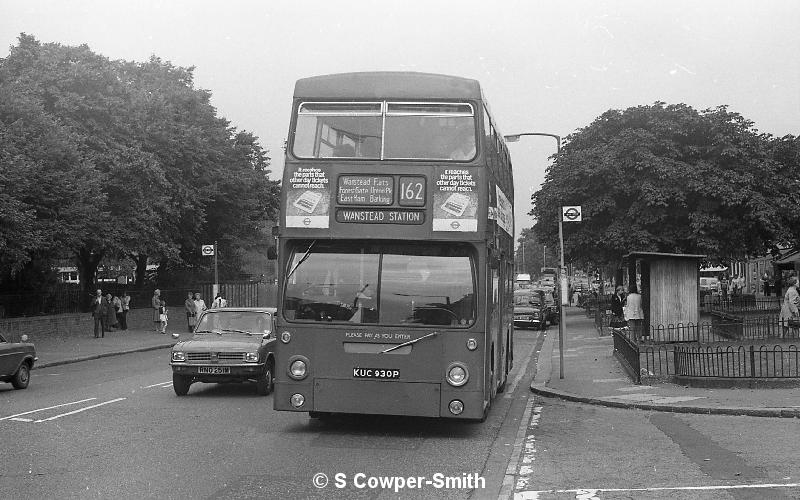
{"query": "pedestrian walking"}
pixel 191 313
pixel 97 314
pixel 126 306
pixel 155 303
pixel 163 319
pixel 633 312
pixel 790 310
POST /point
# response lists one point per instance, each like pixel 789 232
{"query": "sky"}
pixel 545 66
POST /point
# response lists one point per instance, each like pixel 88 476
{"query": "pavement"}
pixel 63 350
pixel 593 375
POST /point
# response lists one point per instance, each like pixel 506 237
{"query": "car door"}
pixel 7 357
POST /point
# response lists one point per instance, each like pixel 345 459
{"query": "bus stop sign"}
pixel 571 214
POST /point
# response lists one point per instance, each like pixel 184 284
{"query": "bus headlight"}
pixel 472 344
pixel 457 374
pixel 297 400
pixel 456 407
pixel 298 367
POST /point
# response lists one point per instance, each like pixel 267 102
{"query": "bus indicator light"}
pixel 472 344
pixel 286 337
pixel 298 400
pixel 456 407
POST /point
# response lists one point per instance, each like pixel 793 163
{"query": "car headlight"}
pixel 251 357
pixel 178 356
pixel 457 375
pixel 298 367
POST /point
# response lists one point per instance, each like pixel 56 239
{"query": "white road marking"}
pixel 80 410
pixel 160 384
pixel 511 471
pixel 48 408
pixel 592 492
pixel 20 419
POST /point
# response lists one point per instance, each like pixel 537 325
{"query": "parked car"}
pixel 16 361
pixel 229 345
pixel 529 309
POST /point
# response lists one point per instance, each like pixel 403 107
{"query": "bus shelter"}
pixel 669 285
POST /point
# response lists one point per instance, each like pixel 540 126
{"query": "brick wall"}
pixel 69 325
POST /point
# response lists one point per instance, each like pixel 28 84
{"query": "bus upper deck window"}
pixel 340 130
pixel 438 131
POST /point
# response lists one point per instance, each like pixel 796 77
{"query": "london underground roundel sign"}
pixel 571 214
pixel 207 250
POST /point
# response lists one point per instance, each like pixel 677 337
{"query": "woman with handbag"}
pixel 790 311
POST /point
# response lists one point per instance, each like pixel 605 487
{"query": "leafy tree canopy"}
pixel 119 159
pixel 668 178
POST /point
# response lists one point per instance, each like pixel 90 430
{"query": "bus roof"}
pixel 387 85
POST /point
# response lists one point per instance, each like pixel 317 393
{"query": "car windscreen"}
pixel 226 321
pixel 377 283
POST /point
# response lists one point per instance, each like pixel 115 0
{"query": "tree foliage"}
pixel 106 158
pixel 668 178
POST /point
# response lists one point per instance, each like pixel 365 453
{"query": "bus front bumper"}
pixel 377 397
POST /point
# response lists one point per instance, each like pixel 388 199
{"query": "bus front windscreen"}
pixel 381 284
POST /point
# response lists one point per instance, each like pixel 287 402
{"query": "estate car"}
pixel 230 344
pixel 529 309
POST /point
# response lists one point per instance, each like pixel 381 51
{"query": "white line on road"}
pixel 160 384
pixel 20 419
pixel 48 408
pixel 591 492
pixel 80 410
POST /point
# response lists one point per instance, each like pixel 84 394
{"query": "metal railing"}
pixel 737 361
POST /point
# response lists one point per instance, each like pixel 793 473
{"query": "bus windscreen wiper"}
pixel 398 346
pixel 302 259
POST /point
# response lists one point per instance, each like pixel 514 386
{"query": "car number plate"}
pixel 382 373
pixel 214 370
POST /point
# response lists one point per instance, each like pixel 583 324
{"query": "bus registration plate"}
pixel 380 373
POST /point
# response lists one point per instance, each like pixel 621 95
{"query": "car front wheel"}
pixel 22 377
pixel 181 384
pixel 264 383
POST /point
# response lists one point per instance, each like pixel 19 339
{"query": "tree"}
pixel 119 159
pixel 663 178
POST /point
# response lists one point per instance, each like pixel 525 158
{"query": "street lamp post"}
pixel 563 294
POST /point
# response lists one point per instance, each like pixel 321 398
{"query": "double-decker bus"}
pixel 395 249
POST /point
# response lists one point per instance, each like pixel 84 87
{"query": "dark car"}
pixel 529 309
pixel 16 362
pixel 231 344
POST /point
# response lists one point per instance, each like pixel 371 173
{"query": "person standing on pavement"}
pixel 191 313
pixel 162 317
pixel 109 313
pixel 126 306
pixel 97 314
pixel 790 310
pixel 634 314
pixel 617 305
pixel 199 304
pixel 155 303
pixel 219 301
pixel 116 302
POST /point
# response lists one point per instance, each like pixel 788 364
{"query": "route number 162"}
pixel 412 191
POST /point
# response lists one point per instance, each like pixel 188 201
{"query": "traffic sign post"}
pixel 208 251
pixel 568 214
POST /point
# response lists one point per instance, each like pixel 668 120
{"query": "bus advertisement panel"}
pixel 395 249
